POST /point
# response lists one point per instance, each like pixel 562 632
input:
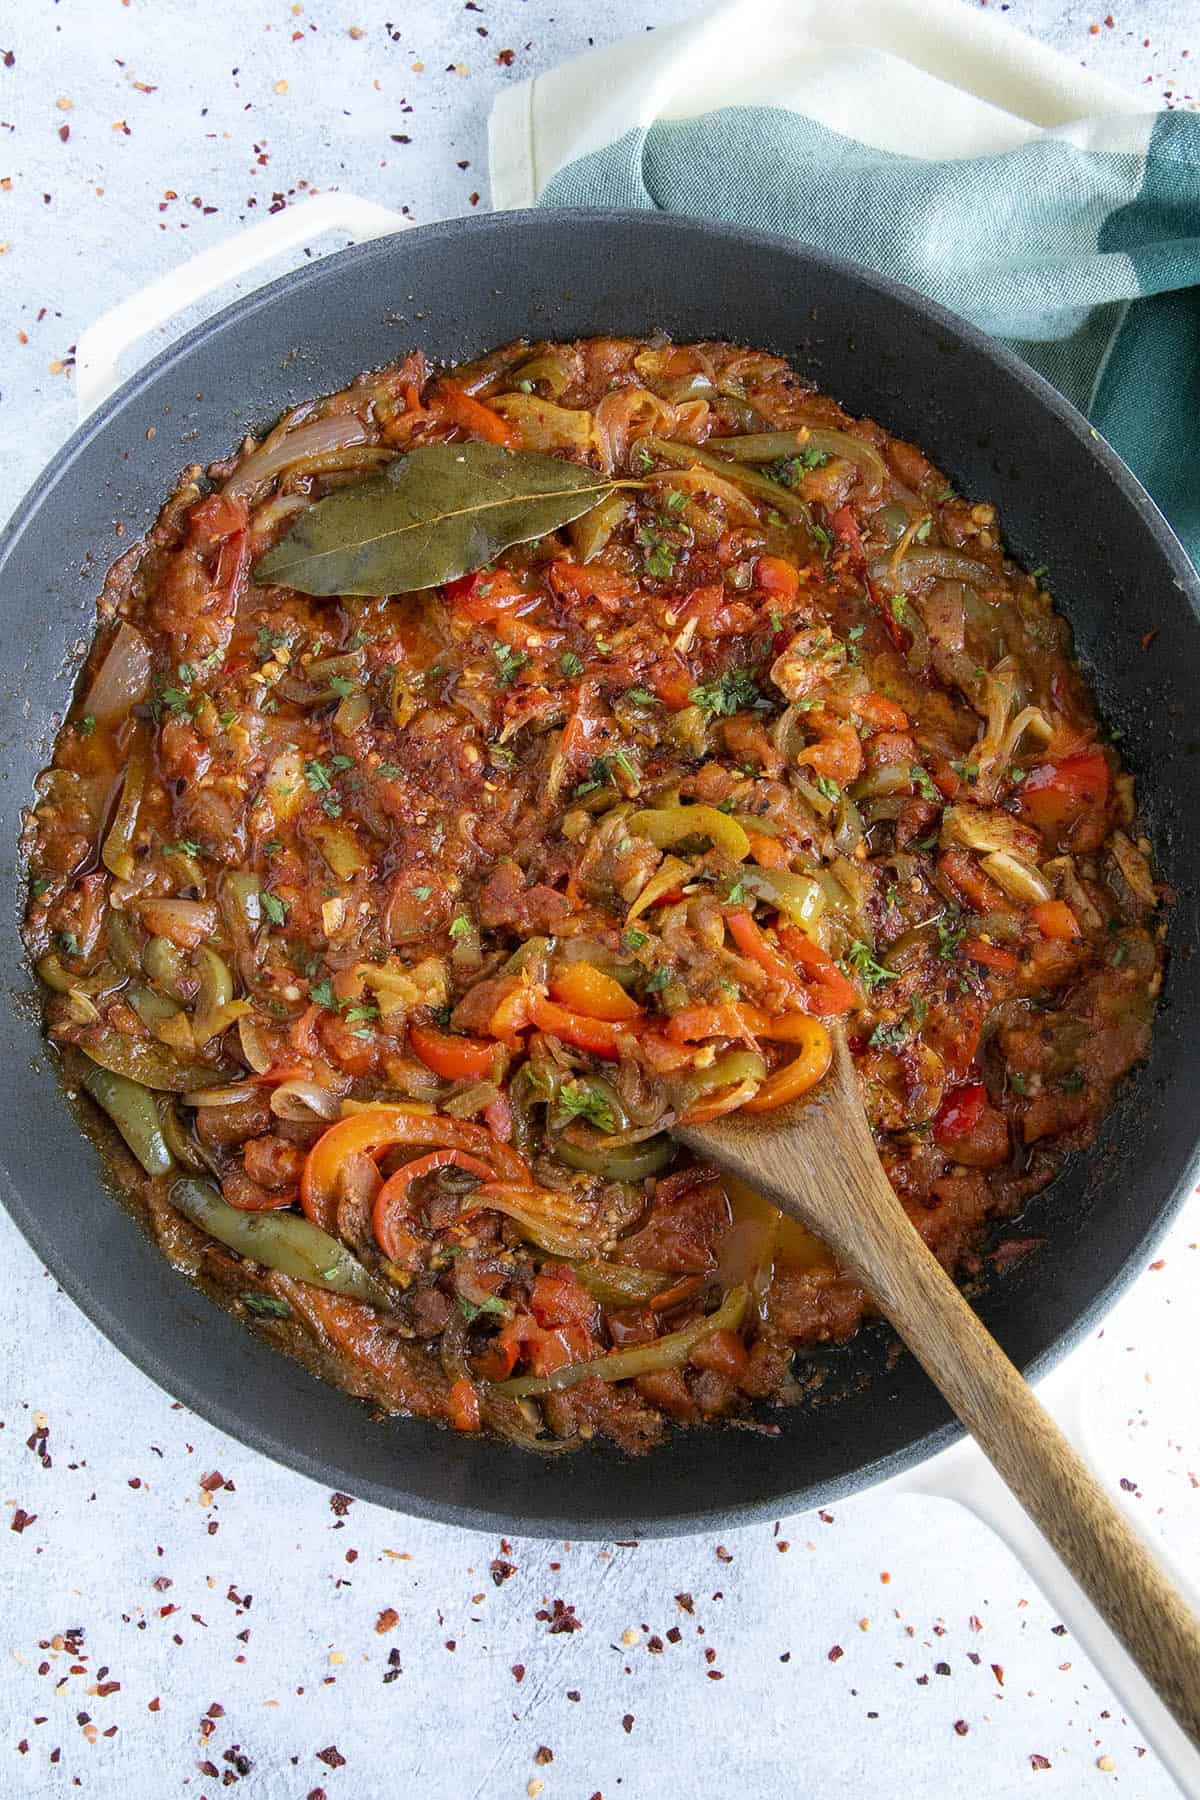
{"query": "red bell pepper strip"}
pixel 597 1036
pixel 394 1201
pixel 462 409
pixel 826 991
pixel 959 1112
pixel 378 1129
pixel 454 1058
pixel 1055 793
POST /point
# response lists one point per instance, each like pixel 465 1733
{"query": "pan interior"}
pixel 1001 435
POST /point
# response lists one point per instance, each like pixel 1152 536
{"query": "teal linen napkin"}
pixel 1083 257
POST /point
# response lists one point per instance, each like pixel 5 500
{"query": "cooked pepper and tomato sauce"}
pixel 496 765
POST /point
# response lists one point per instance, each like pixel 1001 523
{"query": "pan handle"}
pixel 963 1474
pixel 101 347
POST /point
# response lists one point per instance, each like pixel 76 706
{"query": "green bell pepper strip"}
pixel 132 1110
pixel 670 1352
pixel 281 1240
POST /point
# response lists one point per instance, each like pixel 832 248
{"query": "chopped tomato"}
pixel 598 1036
pixel 215 518
pixel 560 1298
pixel 462 1406
pixel 462 409
pixel 880 712
pixel 583 988
pixel 777 577
pixel 991 956
pixel 1055 793
pixel 454 1058
pixel 231 563
pixel 486 595
pixel 691 1024
pixel 512 1015
pixel 959 1112
pixel 672 682
pixel 844 526
pixel 826 990
pixel 722 1352
pixel 378 1129
pixel 767 852
pixel 961 870
pixel 1054 919
pixel 590 581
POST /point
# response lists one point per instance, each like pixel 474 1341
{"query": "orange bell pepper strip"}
pixel 1054 793
pixel 600 1037
pixel 1054 919
pixel 990 955
pixel 394 1200
pixel 582 988
pixel 487 594
pixel 462 1406
pixel 460 408
pixel 379 1128
pixel 776 576
pixel 512 1014
pixel 753 945
pixel 799 1075
pixel 767 852
pixel 692 1024
pixel 454 1058
pixel 826 990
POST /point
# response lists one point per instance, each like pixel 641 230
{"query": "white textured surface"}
pixel 120 1505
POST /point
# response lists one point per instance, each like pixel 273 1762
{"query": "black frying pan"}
pixel 1000 433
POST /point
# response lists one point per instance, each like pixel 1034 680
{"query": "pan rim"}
pixel 176 1377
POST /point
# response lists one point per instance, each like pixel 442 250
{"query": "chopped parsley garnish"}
pixel 185 847
pixel 640 696
pixel 390 771
pixel 675 501
pixel 354 1014
pixel 633 940
pixel 320 782
pixel 275 908
pixel 322 995
pixel 570 664
pixel 600 774
pixel 660 978
pixel 266 1306
pixel 1073 1083
pixel 343 685
pixel 583 1100
pixel 872 974
pixel 460 926
pixel 923 782
pixel 787 470
pixel 919 1011
pixel 736 894
pixel 70 943
pixel 174 699
pixel 827 786
pixel 87 725
pixel 422 893
pixel 899 606
pixel 1118 956
pixel 266 639
pixel 968 771
pixel 39 885
pixel 1016 776
pixel 729 694
pixel 950 936
pixel 923 530
pixel 509 663
pixel 659 552
pixel 471 1311
pixel 272 847
pixel 889 1036
pixel 1017 1082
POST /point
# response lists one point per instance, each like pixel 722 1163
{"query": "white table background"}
pixel 257 1602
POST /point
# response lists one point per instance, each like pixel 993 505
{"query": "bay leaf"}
pixel 442 511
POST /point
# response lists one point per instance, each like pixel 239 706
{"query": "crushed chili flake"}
pixel 388 1619
pixel 836 1653
pixel 684 1603
pixel 331 1756
pixel 543 1755
pixel 501 1571
pixel 627 1723
pixel 724 1555
pixel 961 1726
pixel 518 1671
pixel 22 1520
pixel 340 1504
pixel 560 1618
pixel 1038 1761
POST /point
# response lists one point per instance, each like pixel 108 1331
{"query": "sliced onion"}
pixel 302 1101
pixel 617 416
pixel 123 679
pixel 316 437
pixel 233 1095
pixel 185 922
pixel 254 1047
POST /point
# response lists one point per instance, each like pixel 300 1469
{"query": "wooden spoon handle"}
pixel 1106 1555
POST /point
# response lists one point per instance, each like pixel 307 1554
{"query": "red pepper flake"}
pixel 1160 1264
pixel 398 137
pixel 655 1646
pixel 331 1756
pixel 518 1671
pixel 724 1555
pixel 161 1583
pixel 836 1653
pixel 710 1655
pixel 961 1726
pixel 316 1794
pixel 560 1618
pixel 22 1520
pixel 9 59
pixel 64 132
pixel 942 1668
pixel 135 1481
pixel 105 1688
pixel 674 1636
pixel 506 58
pixel 975 1622
pixel 543 1755
pixel 340 1504
pixel 388 1619
pixel 154 1705
pixel 684 1603
pixel 1130 1487
pixel 1147 639
pixel 715 1675
pixel 574 1694
pixel 210 1482
pixel 826 1518
pixel 627 1723
pixel 998 1672
pixel 1038 1761
pixel 473 199
pixel 501 1571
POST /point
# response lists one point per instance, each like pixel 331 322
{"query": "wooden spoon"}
pixel 816 1160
